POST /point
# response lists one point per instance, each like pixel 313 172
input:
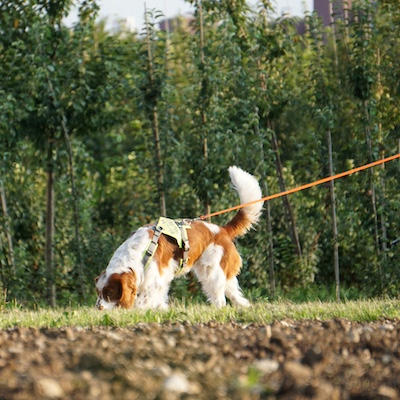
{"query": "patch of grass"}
pixel 315 292
pixel 262 312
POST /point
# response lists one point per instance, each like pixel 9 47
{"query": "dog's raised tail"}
pixel 249 191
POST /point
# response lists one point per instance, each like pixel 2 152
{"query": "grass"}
pixel 262 312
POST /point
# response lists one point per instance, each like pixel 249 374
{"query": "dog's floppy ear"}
pixel 128 290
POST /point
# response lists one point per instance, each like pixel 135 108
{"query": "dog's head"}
pixel 116 290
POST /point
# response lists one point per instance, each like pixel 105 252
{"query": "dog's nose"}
pixel 99 305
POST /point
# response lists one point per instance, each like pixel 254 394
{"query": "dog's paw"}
pixel 242 303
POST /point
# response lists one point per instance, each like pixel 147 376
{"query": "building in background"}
pixel 339 9
pixel 179 22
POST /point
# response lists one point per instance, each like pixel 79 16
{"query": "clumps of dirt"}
pixel 335 359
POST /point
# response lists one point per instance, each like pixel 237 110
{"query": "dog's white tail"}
pixel 249 190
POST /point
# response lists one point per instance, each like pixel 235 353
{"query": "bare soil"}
pixel 335 359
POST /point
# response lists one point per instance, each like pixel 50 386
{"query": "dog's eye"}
pixel 107 296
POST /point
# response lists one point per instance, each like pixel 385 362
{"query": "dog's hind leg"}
pixel 211 275
pixel 213 284
pixel 234 293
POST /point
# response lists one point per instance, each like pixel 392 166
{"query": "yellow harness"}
pixel 177 229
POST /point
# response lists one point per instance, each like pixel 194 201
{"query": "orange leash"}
pixel 306 186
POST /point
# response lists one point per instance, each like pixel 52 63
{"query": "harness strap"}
pixel 152 247
pixel 185 245
pixel 174 229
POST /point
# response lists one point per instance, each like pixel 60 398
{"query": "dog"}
pixel 129 280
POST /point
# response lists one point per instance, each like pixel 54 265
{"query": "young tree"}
pixel 324 79
pixel 152 87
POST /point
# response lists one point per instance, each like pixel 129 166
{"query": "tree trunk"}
pixel 73 187
pixel 372 187
pixel 49 250
pixel 384 239
pixel 76 209
pixel 159 163
pixel 331 173
pixel 3 266
pixel 156 130
pixel 290 219
pixel 334 223
pixel 268 219
pixel 10 252
pixel 207 206
pixel 271 258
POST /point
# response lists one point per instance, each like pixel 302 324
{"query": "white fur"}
pixel 129 255
pixel 234 293
pixel 215 229
pixel 213 280
pixel 210 274
pixel 153 293
pixel 249 190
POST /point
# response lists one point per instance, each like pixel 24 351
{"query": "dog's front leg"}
pixel 153 293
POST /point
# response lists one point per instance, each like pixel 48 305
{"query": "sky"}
pixel 133 10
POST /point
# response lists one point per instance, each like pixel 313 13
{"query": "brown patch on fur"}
pixel 128 289
pixel 200 237
pixel 112 291
pixel 167 249
pixel 238 225
pixel 231 261
pixel 120 288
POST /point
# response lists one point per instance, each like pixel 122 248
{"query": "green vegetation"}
pixel 103 132
pixel 260 312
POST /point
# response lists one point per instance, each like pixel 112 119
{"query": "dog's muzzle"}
pixel 102 304
pixel 98 305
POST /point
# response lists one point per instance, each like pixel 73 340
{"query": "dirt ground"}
pixel 334 359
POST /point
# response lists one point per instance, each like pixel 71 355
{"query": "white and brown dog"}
pixel 212 256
